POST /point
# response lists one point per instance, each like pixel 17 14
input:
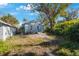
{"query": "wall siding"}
pixel 34 27
pixel 6 31
pixel 1 31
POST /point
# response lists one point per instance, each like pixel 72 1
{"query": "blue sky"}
pixel 23 10
pixel 19 10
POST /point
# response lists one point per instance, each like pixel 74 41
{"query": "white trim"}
pixel 4 37
pixel 6 23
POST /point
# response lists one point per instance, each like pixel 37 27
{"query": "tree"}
pixel 25 20
pixel 70 15
pixel 52 11
pixel 9 19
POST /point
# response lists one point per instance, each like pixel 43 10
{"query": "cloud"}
pixel 13 13
pixel 2 5
pixel 28 7
pixel 34 13
pixel 22 7
pixel 31 13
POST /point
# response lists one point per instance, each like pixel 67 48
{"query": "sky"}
pixel 23 10
pixel 18 10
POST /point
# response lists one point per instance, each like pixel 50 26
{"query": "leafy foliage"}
pixel 9 19
pixel 52 11
pixel 65 52
pixel 68 29
pixel 70 15
pixel 68 48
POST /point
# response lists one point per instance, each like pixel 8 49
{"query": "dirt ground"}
pixel 39 44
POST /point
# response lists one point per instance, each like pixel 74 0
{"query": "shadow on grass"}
pixel 44 44
pixel 54 42
pixel 58 41
pixel 68 46
pixel 23 54
pixel 19 54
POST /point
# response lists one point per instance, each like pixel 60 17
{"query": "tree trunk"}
pixel 50 22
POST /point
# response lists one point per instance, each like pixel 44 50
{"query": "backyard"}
pixel 56 25
pixel 40 44
pixel 32 44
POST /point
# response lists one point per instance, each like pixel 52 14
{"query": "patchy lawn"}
pixel 38 45
pixel 34 44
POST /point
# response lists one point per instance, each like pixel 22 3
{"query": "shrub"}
pixel 48 30
pixel 68 29
pixel 68 48
pixel 76 52
pixel 65 52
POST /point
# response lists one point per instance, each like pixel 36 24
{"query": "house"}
pixel 6 30
pixel 33 27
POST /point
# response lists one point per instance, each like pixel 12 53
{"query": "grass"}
pixel 68 48
pixel 4 47
pixel 23 44
pixel 28 45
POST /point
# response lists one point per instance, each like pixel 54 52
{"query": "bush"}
pixel 68 29
pixel 68 48
pixel 76 52
pixel 48 30
pixel 65 52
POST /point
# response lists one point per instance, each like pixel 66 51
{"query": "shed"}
pixel 6 30
pixel 33 27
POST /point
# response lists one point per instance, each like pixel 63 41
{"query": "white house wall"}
pixel 1 32
pixel 27 28
pixel 7 32
pixel 13 30
pixel 34 27
pixel 40 27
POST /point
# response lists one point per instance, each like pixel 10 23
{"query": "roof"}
pixel 33 21
pixel 6 24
